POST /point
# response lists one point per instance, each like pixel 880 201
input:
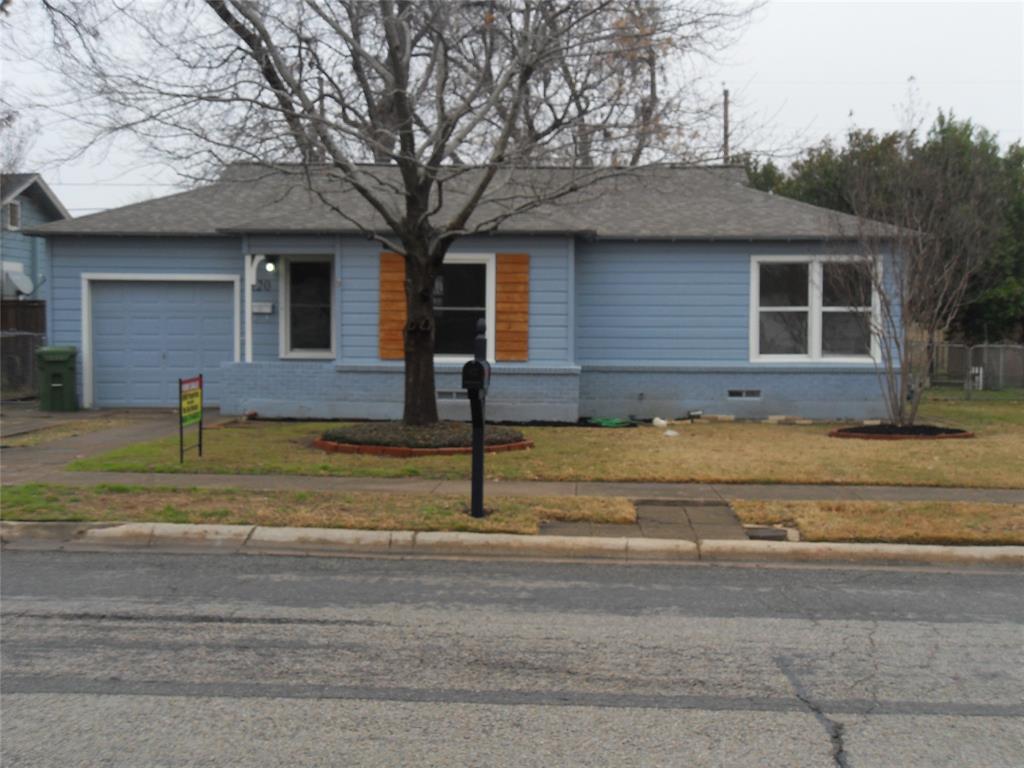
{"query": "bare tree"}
pixel 425 109
pixel 926 229
pixel 16 139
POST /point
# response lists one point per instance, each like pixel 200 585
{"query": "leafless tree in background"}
pixel 925 231
pixel 423 108
pixel 15 140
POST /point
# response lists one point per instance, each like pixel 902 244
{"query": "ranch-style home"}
pixel 654 292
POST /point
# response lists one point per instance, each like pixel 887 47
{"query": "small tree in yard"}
pixel 444 99
pixel 927 231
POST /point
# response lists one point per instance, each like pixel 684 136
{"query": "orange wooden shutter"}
pixel 392 306
pixel 512 313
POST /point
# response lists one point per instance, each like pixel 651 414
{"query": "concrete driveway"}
pixel 19 417
pixel 36 463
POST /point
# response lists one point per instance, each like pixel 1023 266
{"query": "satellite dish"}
pixel 18 282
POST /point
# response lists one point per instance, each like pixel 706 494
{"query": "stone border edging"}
pixel 326 541
pixel 840 433
pixel 401 452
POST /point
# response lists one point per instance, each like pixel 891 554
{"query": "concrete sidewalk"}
pixel 699 492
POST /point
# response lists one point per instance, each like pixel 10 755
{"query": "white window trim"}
pixel 284 314
pixel 88 278
pixel 490 260
pixel 814 312
pixel 13 205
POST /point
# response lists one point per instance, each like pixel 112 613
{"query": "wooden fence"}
pixel 26 316
pixel 18 376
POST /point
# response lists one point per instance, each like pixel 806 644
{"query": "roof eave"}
pixel 37 180
pixel 46 232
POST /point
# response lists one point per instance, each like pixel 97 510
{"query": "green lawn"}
pixel 703 452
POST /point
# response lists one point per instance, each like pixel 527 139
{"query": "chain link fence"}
pixel 18 374
pixel 995 370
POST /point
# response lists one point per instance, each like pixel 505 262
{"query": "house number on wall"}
pixel 263 284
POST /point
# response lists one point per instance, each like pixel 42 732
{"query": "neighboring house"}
pixel 656 292
pixel 26 202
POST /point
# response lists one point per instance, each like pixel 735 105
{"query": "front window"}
pixel 811 309
pixel 461 293
pixel 307 310
pixel 784 309
pixel 845 310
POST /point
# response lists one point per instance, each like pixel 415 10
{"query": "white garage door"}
pixel 147 335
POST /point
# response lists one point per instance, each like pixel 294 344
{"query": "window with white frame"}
pixel 807 308
pixel 463 295
pixel 12 217
pixel 307 307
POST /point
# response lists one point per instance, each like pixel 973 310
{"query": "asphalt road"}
pixel 189 660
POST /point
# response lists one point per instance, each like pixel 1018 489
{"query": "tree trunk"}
pixel 420 391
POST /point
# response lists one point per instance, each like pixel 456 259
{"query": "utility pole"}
pixel 725 126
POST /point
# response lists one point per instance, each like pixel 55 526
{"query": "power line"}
pixel 108 184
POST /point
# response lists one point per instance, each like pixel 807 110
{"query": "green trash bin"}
pixel 57 390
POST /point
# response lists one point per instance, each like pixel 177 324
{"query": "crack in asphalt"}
pixel 833 728
pixel 189 618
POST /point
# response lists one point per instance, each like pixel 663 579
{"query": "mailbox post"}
pixel 476 377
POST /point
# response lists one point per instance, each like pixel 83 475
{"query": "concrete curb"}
pixel 326 541
pixel 817 552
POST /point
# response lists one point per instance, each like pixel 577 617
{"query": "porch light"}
pixel 270 264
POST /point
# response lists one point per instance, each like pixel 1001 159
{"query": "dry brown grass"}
pixel 918 522
pixel 375 511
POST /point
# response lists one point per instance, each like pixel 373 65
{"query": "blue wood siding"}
pixel 30 252
pixel 670 303
pixel 359 300
pixel 661 302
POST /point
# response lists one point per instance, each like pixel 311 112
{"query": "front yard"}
pixel 703 452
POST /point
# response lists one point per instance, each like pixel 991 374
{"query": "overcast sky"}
pixel 801 71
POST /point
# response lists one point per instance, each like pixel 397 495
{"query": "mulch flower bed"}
pixel 894 432
pixel 390 438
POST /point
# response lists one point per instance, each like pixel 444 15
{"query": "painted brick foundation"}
pixel 326 390
pixel 834 393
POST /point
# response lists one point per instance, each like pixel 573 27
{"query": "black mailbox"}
pixel 476 376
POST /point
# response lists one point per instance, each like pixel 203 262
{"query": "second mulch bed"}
pixel 896 432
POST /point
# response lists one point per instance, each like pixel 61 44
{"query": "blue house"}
pixel 26 202
pixel 653 292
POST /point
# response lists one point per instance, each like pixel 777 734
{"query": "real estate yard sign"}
pixel 190 411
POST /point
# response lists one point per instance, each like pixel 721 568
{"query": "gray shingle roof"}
pixel 658 202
